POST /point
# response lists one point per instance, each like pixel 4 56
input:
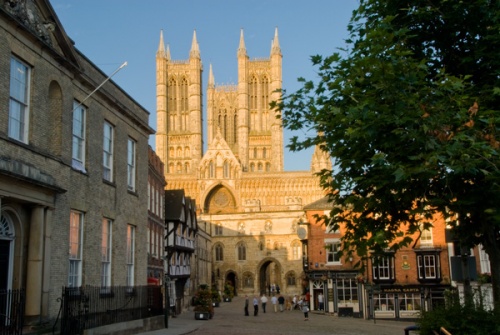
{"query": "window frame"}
pixel 333 252
pixel 130 256
pixel 18 128
pixel 78 136
pixel 108 152
pixel 106 248
pixel 131 164
pixel 383 264
pixel 75 257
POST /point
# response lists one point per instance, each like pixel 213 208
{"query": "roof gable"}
pixel 40 19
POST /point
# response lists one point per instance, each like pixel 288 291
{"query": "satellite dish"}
pixel 302 233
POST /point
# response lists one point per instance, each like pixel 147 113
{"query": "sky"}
pixel 111 32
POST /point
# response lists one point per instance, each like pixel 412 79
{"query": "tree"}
pixel 409 111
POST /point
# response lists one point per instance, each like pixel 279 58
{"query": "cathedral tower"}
pixel 179 138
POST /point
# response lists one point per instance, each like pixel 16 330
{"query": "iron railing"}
pixel 12 311
pixel 89 307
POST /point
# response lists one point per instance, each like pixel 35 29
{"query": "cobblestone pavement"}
pixel 229 319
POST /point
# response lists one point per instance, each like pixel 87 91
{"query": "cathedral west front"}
pixel 245 200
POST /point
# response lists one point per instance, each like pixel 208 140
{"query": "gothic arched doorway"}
pixel 269 271
pixel 232 279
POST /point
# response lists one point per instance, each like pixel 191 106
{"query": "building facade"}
pixel 73 166
pixel 250 203
pixel 156 219
pixel 395 285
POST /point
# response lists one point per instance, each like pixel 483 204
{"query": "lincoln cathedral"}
pixel 245 199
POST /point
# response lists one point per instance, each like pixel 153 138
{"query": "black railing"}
pixel 11 311
pixel 89 307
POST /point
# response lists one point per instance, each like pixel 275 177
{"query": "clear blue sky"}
pixel 110 32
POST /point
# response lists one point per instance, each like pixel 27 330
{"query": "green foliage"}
pixel 202 300
pixel 409 111
pixel 228 290
pixel 215 295
pixel 459 319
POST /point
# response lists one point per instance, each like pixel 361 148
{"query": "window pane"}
pixel 18 103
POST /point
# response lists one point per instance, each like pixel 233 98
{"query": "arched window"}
pixel 252 167
pixel 242 252
pixel 252 92
pixel 211 169
pixel 219 253
pixel 184 97
pixel 172 95
pixel 235 125
pixel 268 167
pixel 171 152
pixel 260 167
pixel 254 152
pixel 296 254
pixel 290 279
pixel 226 170
pixel 264 153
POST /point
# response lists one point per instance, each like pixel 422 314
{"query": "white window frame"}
pixel 428 266
pixel 426 236
pixel 107 151
pixel 20 78
pixel 75 249
pixel 332 250
pixel 383 268
pixel 131 164
pixel 78 136
pixel 106 247
pixel 130 255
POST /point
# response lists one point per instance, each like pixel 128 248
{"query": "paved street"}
pixel 229 319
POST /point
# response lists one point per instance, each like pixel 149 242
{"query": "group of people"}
pixel 279 303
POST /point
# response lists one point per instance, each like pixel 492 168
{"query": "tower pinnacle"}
pixel 195 49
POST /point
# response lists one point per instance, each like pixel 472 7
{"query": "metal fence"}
pixel 11 311
pixel 89 307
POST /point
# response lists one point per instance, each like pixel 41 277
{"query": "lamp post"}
pixel 167 298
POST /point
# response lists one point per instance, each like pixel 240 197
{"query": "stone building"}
pixel 73 166
pixel 250 203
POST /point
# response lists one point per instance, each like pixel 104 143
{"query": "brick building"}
pixel 73 166
pixel 395 285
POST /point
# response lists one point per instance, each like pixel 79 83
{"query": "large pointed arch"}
pixel 220 200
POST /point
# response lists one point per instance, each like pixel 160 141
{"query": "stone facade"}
pixel 250 205
pixel 52 190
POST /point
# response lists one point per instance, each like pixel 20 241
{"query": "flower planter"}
pixel 227 299
pixel 202 315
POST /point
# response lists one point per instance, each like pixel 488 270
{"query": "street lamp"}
pixel 167 298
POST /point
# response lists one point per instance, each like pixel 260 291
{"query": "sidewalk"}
pixel 180 325
pixel 229 318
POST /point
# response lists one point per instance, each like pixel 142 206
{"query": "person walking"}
pixel 246 305
pixel 263 301
pixel 305 310
pixel 255 306
pixel 274 301
pixel 281 302
pixel 321 301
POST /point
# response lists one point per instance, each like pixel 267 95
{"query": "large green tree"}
pixel 409 110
